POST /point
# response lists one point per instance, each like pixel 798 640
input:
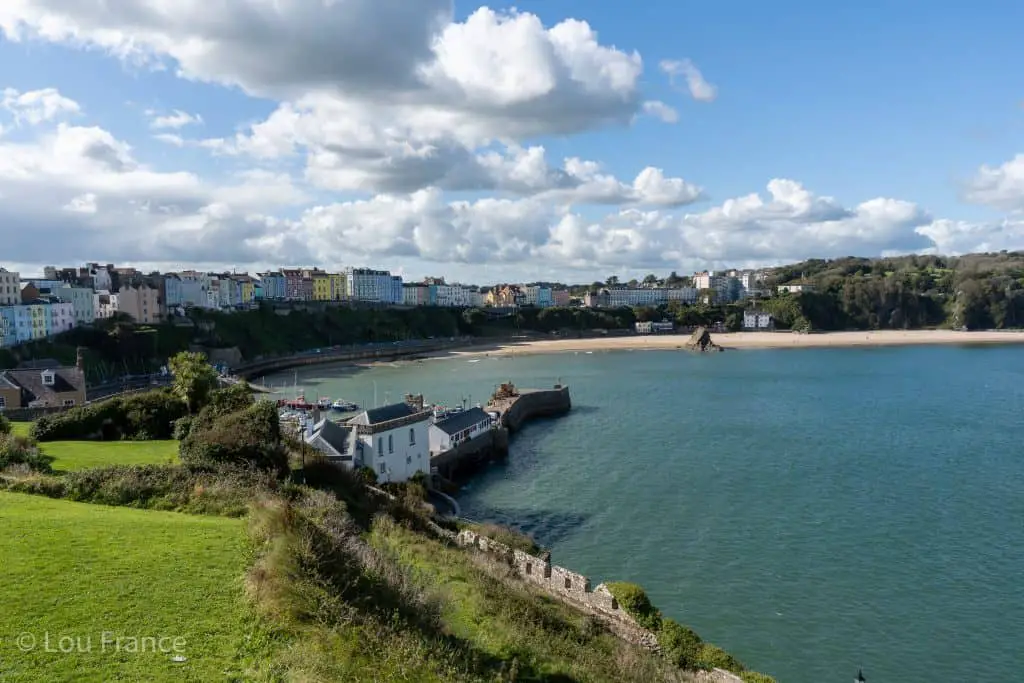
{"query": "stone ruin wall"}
pixel 570 587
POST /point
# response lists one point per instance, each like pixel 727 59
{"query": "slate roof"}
pixel 333 434
pixel 66 380
pixel 384 414
pixel 6 383
pixel 461 421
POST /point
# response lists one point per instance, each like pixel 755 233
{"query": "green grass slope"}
pixel 73 569
pixel 72 456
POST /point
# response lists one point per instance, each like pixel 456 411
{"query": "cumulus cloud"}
pixel 91 193
pixel 660 110
pixel 37 106
pixel 699 89
pixel 1001 187
pixel 175 120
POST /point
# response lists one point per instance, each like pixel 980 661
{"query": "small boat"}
pixel 343 406
pixel 295 404
pixel 323 403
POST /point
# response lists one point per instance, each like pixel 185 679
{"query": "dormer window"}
pixel 48 378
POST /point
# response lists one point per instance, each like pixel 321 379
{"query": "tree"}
pixel 194 379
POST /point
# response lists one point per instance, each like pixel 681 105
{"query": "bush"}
pixel 5 425
pixel 224 402
pixel 635 602
pixel 680 645
pixel 139 417
pixel 755 677
pixel 250 437
pixel 714 657
pixel 20 450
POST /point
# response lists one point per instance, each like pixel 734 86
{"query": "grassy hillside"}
pixel 73 569
pixel 70 456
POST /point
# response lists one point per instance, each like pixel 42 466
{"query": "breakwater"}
pixel 514 408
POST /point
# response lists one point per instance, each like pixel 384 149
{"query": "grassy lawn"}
pixel 73 569
pixel 83 455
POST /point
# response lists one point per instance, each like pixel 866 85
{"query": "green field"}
pixel 83 455
pixel 77 570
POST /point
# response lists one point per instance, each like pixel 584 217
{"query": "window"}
pixel 68 402
pixel 380 445
pixel 382 470
pixel 408 460
pixel 3 402
pixel 412 437
pixel 391 443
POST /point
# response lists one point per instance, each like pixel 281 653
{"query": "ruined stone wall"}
pixel 572 588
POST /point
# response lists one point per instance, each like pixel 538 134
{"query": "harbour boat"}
pixel 343 406
pixel 323 403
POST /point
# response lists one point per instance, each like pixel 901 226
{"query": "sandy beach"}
pixel 751 340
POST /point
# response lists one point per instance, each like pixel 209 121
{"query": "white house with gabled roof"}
pixel 393 440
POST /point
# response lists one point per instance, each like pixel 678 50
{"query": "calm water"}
pixel 812 511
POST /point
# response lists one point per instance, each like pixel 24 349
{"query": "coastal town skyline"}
pixel 499 143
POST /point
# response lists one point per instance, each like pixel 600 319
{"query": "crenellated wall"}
pixel 567 585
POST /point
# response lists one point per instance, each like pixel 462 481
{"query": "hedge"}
pixel 139 417
pixel 250 437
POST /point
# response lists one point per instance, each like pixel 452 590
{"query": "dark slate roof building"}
pixel 50 387
pixel 375 416
pixel 463 420
pixel 333 440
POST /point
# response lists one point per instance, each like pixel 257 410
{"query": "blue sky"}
pixel 901 100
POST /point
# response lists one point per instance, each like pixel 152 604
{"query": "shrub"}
pixel 755 677
pixel 680 645
pixel 224 402
pixel 635 602
pixel 250 437
pixel 182 427
pixel 5 425
pixel 714 657
pixel 20 450
pixel 149 415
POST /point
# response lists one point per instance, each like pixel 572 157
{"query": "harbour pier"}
pixel 510 408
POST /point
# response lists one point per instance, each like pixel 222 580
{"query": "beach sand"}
pixel 749 340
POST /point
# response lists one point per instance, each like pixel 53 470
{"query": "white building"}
pixel 796 287
pixel 104 305
pixel 10 288
pixel 622 296
pixel 101 279
pixel 455 296
pixel 536 295
pixel 457 428
pixel 757 320
pixel 393 440
pixel 62 318
pixel 651 327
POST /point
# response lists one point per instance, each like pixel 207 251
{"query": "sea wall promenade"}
pixel 344 354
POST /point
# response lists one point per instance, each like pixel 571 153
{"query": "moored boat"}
pixel 343 406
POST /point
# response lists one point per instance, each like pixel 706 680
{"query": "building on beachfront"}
pixel 651 327
pixel 457 428
pixel 758 320
pixel 796 287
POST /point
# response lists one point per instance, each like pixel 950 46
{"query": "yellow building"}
pixel 337 286
pixel 38 317
pixel 321 286
pixel 248 290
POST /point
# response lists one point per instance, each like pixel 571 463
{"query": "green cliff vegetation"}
pixel 273 567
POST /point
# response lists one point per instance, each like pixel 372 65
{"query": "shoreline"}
pixel 734 341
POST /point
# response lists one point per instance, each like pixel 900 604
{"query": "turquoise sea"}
pixel 812 511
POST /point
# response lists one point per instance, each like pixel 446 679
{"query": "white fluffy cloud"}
pixel 36 106
pixel 699 89
pixel 174 120
pixel 1001 187
pixel 394 113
